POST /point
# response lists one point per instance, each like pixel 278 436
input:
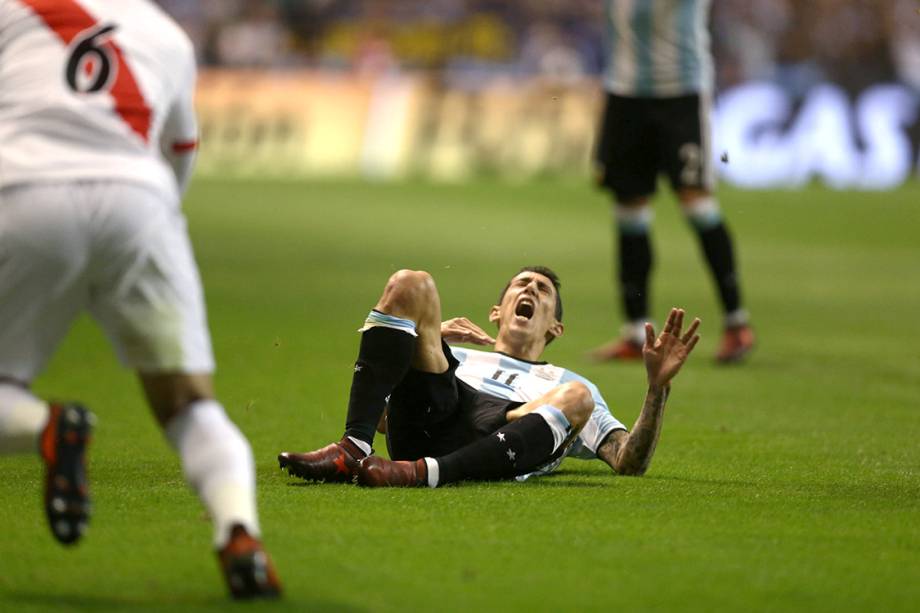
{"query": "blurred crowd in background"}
pixel 796 43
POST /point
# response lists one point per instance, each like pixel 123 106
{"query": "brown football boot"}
pixel 374 471
pixel 334 463
pixel 63 445
pixel 247 567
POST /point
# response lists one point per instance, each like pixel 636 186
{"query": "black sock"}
pixel 516 449
pixel 717 247
pixel 383 360
pixel 635 266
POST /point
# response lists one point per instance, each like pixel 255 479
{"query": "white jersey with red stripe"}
pixel 95 90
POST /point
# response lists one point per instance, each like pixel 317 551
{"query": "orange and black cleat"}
pixel 334 463
pixel 63 449
pixel 247 567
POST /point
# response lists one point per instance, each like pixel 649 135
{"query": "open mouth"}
pixel 524 309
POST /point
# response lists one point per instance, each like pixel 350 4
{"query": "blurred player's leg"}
pixel 635 266
pixel 63 449
pixel 635 260
pixel 90 217
pixel 216 458
pixel 628 159
pixel 248 569
pixel 704 215
pixel 218 464
pixel 402 331
pixel 42 281
pixel 147 297
pixel 685 123
pixel 60 433
pixel 22 419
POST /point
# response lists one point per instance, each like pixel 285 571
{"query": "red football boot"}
pixel 737 342
pixel 247 568
pixel 374 471
pixel 63 448
pixel 334 463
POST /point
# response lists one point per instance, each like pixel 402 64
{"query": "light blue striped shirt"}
pixel 658 48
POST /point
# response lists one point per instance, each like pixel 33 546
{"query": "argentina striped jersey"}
pixel 658 48
pixel 517 380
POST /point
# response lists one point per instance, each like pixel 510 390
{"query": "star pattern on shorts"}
pixel 501 436
pixel 511 455
pixel 358 368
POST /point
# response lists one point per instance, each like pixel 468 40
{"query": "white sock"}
pixel 703 213
pixel 633 219
pixel 218 464
pixel 434 472
pixel 361 445
pixel 738 317
pixel 558 423
pixel 634 331
pixel 22 419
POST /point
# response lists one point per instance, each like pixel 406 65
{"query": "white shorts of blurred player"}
pixel 120 251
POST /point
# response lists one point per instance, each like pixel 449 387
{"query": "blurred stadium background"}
pixel 389 88
pixel 344 139
pixel 822 90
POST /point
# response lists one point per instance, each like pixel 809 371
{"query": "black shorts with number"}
pixel 641 138
pixel 433 414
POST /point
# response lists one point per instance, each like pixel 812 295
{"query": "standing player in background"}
pixel 659 85
pixel 97 136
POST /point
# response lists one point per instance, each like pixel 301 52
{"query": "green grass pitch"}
pixel 791 483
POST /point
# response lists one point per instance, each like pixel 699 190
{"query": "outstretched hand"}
pixel 665 355
pixel 462 330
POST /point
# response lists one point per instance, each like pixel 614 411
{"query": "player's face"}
pixel 528 307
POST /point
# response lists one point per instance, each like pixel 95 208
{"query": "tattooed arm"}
pixel 630 453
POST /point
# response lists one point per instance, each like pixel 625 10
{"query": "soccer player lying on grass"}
pixel 460 414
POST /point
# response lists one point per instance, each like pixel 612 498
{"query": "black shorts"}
pixel 433 414
pixel 641 138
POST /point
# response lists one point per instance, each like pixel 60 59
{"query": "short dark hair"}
pixel 549 274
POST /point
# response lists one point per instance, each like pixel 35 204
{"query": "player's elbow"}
pixel 628 465
pixel 630 470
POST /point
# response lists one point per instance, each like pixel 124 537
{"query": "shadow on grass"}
pixel 318 484
pixel 569 483
pixel 885 495
pixel 572 479
pixel 576 479
pixel 700 481
pixel 64 602
pixel 565 478
pixel 71 602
